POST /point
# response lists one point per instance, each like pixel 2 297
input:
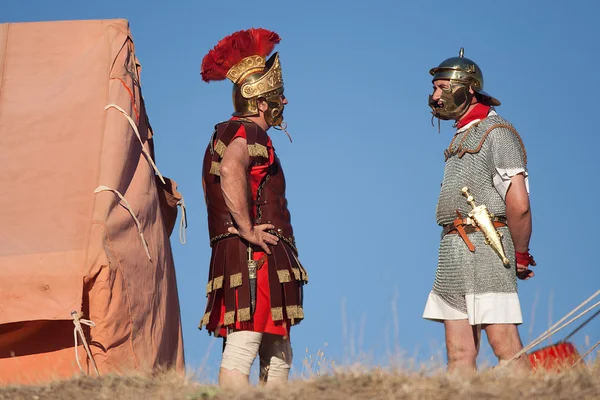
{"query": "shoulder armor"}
pixel 476 138
pixel 224 132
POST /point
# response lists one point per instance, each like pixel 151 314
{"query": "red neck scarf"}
pixel 480 111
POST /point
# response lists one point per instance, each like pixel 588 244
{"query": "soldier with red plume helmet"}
pixel 255 280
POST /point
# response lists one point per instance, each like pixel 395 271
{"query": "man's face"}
pixel 272 108
pixel 450 100
pixel 283 102
pixel 440 86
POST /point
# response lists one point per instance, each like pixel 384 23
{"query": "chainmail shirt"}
pixel 473 161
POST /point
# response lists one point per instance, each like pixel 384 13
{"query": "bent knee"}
pixel 276 359
pixel 504 349
pixel 279 369
pixel 462 354
pixel 240 351
pixel 505 343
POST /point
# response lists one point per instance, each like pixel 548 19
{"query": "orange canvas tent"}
pixel 85 215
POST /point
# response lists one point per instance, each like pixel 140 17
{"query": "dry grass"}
pixel 583 383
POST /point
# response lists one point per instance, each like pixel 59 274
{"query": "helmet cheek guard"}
pixel 453 102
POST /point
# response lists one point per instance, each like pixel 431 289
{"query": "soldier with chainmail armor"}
pixel 474 288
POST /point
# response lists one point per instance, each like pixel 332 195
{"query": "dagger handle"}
pixel 252 264
pixel 467 194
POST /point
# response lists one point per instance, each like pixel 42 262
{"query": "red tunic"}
pixel 261 320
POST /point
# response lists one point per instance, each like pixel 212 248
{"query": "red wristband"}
pixel 524 258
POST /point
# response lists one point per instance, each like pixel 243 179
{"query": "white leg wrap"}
pixel 275 359
pixel 240 351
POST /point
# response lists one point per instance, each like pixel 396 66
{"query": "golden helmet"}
pixel 465 71
pixel 241 58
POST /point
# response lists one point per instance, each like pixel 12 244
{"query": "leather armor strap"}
pixel 464 226
pixel 261 261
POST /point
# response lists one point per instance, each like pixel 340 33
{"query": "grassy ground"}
pixel 575 384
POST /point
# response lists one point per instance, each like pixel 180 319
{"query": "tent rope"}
pixel 78 331
pixel 128 208
pixel 550 332
pixel 137 133
pixel 182 222
pixel 587 353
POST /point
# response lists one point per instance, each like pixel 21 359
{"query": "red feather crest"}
pixel 234 48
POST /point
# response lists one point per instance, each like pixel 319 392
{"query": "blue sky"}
pixel 365 166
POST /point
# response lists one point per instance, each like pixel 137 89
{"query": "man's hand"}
pixel 524 260
pixel 257 236
pixel 237 195
pixel 524 272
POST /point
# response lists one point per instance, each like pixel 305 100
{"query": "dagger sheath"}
pixel 483 221
pixel 252 268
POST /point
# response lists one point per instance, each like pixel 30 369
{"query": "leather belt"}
pixel 469 228
pixel 463 226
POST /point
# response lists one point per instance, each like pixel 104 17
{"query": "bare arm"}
pixel 234 182
pixel 518 215
pixel 238 197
